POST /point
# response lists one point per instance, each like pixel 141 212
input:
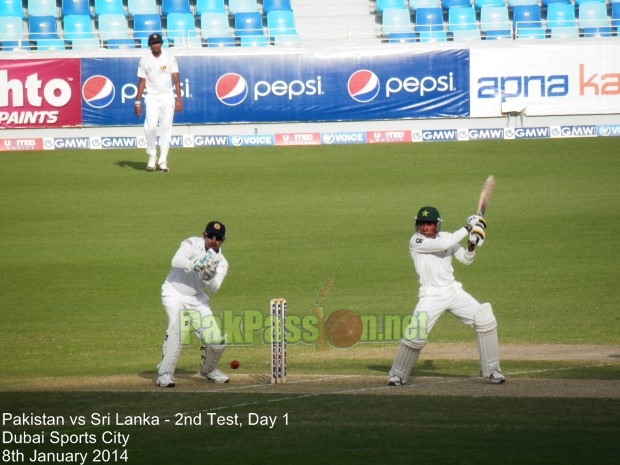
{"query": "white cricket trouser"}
pixel 434 302
pixel 159 109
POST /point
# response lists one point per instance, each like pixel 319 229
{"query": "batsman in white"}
pixel 158 74
pixel 432 252
pixel 197 266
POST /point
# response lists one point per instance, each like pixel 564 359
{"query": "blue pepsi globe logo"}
pixel 98 91
pixel 363 86
pixel 231 89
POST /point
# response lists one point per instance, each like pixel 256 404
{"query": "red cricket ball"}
pixel 234 364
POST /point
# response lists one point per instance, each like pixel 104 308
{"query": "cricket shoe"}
pixel 163 168
pixel 150 167
pixel 496 377
pixel 215 376
pixel 395 381
pixel 165 380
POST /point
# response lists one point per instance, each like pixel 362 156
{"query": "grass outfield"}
pixel 88 237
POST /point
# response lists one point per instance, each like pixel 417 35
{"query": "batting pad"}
pixel 171 352
pixel 486 338
pixel 211 357
pixel 406 356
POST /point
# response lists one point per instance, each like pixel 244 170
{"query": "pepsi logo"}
pixel 363 86
pixel 98 91
pixel 231 89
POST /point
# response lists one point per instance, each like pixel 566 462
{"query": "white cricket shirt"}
pixel 158 72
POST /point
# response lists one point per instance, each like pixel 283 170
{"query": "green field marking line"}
pixel 514 373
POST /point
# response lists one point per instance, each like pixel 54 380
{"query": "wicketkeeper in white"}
pixel 158 72
pixel 432 252
pixel 197 266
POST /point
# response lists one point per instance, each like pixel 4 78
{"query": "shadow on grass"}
pixel 136 165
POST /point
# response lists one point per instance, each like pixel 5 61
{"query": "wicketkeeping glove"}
pixel 210 268
pixel 477 235
pixel 201 263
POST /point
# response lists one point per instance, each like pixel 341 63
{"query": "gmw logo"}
pixel 232 89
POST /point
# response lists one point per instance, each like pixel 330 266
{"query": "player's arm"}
pixel 138 104
pixel 439 243
pixel 186 257
pixel 178 102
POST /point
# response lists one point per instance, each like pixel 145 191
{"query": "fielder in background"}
pixel 157 72
pixel 197 266
pixel 432 252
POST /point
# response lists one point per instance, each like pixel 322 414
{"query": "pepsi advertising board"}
pixel 290 87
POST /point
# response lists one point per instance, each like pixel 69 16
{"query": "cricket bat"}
pixel 485 195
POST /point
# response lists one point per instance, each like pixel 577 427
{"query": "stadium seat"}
pixel 43 8
pixel 12 8
pixel 428 19
pixel 112 26
pixel 513 3
pixel 221 41
pixel 77 27
pixel 209 6
pixel 175 6
pixel 526 16
pixel 47 45
pixel 494 22
pixel 181 28
pixel 615 15
pixel 109 7
pixel 480 3
pixel 395 20
pixel 546 3
pixel 248 24
pixel 42 27
pixel 75 7
pixel 593 19
pixel 447 4
pixel 415 4
pixel 142 7
pixel 281 22
pixel 253 41
pixel 381 5
pixel 242 6
pixel 579 2
pixel 402 38
pixel 567 32
pixel 462 19
pixel 275 5
pixel 146 24
pixel 11 28
pixel 214 25
pixel 561 22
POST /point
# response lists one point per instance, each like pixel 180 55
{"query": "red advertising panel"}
pixel 40 93
pixel 35 143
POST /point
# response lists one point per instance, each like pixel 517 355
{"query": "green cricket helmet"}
pixel 428 215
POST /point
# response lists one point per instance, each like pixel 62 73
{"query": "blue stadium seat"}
pixel 381 5
pixel 561 22
pixel 42 27
pixel 12 8
pixel 254 41
pixel 415 4
pixel 447 4
pixel 11 28
pixel 281 22
pixel 462 19
pixel 615 15
pixel 494 22
pixel 428 19
pixel 513 3
pixel 209 6
pixel 396 20
pixel 526 16
pixel 275 5
pixel 112 26
pixel 109 7
pixel 593 19
pixel 214 25
pixel 579 2
pixel 146 24
pixel 221 41
pixel 142 7
pixel 50 44
pixel 181 28
pixel 402 38
pixel 75 7
pixel 175 6
pixel 43 8
pixel 248 24
pixel 480 3
pixel 77 27
pixel 242 6
pixel 549 2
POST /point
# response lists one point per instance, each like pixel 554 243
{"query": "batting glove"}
pixel 477 236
